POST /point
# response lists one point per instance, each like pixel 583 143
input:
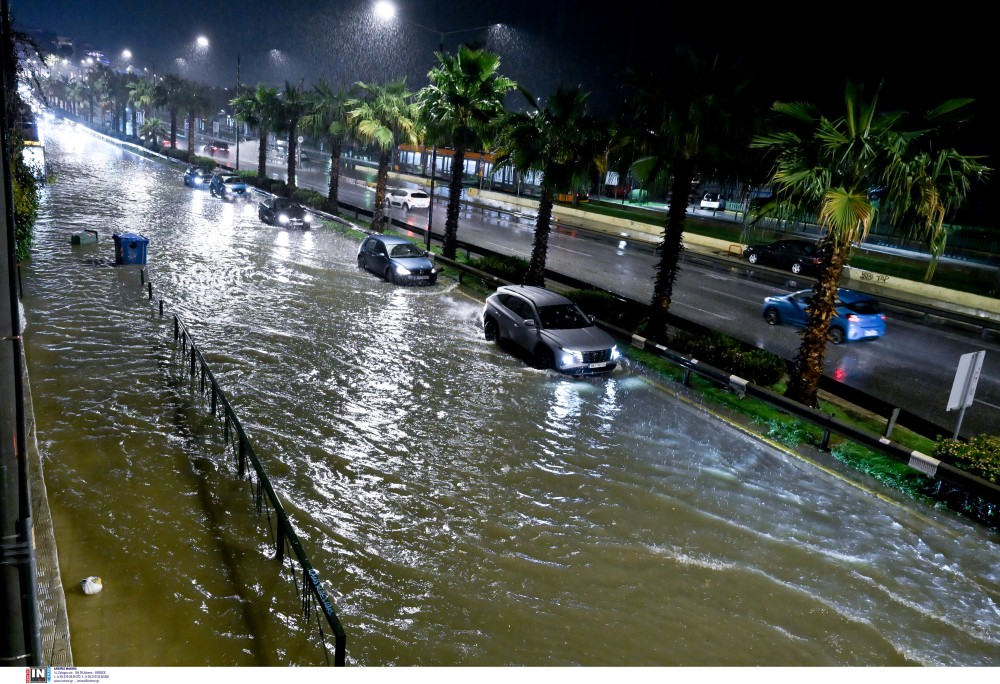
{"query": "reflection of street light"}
pixel 386 11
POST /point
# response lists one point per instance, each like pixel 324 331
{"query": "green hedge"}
pixel 725 353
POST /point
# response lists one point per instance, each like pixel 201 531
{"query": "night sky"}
pixel 798 51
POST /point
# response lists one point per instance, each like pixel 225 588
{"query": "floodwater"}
pixel 459 507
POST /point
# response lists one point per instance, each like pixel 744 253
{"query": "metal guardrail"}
pixel 312 588
pixel 923 463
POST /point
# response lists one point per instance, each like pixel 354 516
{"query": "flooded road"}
pixel 460 507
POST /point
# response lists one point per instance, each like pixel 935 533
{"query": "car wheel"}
pixel 406 207
pixel 261 216
pixel 361 261
pixel 752 258
pixel 796 268
pixel 772 317
pixel 491 330
pixel 836 335
pixel 388 276
pixel 433 280
pixel 544 359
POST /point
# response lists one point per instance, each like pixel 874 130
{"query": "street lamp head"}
pixel 202 42
pixel 385 10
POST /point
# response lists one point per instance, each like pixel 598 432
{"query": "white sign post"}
pixel 963 389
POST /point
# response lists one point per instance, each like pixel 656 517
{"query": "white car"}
pixel 713 200
pixel 407 198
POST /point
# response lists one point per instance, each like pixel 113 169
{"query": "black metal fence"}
pixel 265 500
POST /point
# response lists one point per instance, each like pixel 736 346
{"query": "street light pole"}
pixel 235 120
pixel 430 205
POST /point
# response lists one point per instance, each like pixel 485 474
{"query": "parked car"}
pixel 284 212
pixel 397 260
pixel 407 199
pixel 196 177
pixel 858 315
pixel 217 147
pixel 798 256
pixel 228 186
pixel 712 200
pixel 550 329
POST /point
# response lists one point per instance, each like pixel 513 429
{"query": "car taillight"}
pixel 882 316
pixel 854 318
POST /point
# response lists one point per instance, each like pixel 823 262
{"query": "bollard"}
pixel 150 285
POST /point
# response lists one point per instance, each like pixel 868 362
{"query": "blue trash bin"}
pixel 130 249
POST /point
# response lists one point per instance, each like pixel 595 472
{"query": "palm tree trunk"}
pixel 454 203
pixel 293 143
pixel 190 136
pixel 261 153
pixel 670 251
pixel 332 199
pixel 807 369
pixel 380 183
pixel 540 244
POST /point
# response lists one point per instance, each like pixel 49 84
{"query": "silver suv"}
pixel 550 329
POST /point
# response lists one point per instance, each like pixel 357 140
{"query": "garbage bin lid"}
pixel 129 236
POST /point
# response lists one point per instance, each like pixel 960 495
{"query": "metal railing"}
pixel 923 463
pixel 246 457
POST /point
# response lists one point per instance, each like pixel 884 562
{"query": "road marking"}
pixel 566 249
pixel 710 313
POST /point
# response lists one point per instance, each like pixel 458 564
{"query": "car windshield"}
pixel 562 317
pixel 405 250
pixel 233 179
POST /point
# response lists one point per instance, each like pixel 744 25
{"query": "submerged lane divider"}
pixel 312 587
pixel 285 534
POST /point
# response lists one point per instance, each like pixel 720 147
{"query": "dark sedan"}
pixel 281 211
pixel 798 256
pixel 397 260
pixel 196 177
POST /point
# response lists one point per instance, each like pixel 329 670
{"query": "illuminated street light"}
pixel 126 54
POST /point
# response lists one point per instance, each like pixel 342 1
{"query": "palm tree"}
pixel 142 95
pixel 293 107
pixel 934 183
pixel 327 119
pixel 827 168
pixel 463 100
pixel 561 141
pixel 701 122
pixel 382 115
pixel 259 109
pixel 170 94
pixel 152 129
pixel 196 102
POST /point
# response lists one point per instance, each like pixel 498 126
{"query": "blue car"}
pixel 857 315
pixel 397 260
pixel 229 187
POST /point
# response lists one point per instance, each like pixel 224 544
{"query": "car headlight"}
pixel 282 218
pixel 571 357
pixel 615 354
pixel 402 270
pixel 307 218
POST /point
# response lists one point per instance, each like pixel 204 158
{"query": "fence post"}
pixel 892 422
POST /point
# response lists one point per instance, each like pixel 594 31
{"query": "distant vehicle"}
pixel 406 198
pixel 798 256
pixel 397 260
pixel 228 186
pixel 550 329
pixel 217 147
pixel 196 177
pixel 858 315
pixel 284 212
pixel 712 200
